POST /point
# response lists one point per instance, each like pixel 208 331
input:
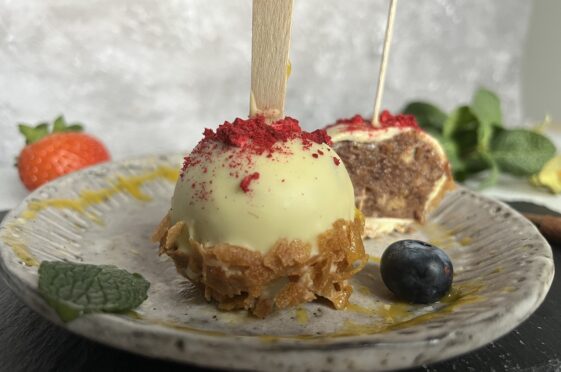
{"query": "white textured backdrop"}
pixel 147 76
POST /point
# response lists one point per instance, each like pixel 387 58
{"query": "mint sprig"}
pixel 74 289
pixel 475 140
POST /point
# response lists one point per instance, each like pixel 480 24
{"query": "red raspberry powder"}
pixel 253 137
pixel 250 137
pixel 256 136
pixel 386 120
pixel 247 180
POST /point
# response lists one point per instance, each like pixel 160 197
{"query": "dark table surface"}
pixel 30 343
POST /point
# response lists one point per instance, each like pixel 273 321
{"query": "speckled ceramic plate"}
pixel 105 215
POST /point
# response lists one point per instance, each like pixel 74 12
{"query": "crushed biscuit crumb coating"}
pixel 287 275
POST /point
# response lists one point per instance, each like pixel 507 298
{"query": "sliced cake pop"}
pixel 399 172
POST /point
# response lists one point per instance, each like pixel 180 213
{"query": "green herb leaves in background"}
pixel 75 289
pixel 475 140
pixel 429 117
pixel 521 152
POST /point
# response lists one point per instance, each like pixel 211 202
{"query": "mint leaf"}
pixel 75 289
pixel 521 152
pixel 486 107
pixel 460 120
pixel 428 115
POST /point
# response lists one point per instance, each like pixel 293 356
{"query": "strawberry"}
pixel 48 155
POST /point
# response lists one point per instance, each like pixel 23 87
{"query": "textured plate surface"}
pixel 105 215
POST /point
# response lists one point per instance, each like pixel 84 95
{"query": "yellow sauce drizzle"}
pixel 351 328
pixel 466 240
pixel 24 255
pixel 389 312
pixel 374 259
pixel 508 289
pixel 19 249
pixel 302 316
pixel 364 290
pixel 400 315
pixel 129 185
pixel 355 308
pixel 452 303
pixel 394 313
pixel 438 236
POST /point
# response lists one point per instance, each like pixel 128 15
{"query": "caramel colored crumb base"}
pixel 287 275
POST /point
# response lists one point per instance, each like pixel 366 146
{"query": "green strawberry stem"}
pixel 35 133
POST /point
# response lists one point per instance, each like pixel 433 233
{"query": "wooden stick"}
pixel 269 57
pixel 549 226
pixel 384 63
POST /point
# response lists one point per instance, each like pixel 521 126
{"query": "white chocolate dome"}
pixel 231 192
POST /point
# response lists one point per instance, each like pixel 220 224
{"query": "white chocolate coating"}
pixel 340 133
pixel 297 196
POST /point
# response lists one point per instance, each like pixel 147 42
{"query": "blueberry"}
pixel 416 271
